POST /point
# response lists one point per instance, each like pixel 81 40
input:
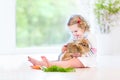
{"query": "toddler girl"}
pixel 79 29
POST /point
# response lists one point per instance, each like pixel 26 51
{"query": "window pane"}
pixel 42 22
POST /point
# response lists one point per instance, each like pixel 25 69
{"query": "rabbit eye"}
pixel 84 45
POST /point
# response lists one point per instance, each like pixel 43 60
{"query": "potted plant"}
pixel 107 15
pixel 106 12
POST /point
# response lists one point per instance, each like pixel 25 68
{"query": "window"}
pixel 42 22
pixel 14 27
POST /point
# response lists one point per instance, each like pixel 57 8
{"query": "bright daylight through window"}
pixel 43 22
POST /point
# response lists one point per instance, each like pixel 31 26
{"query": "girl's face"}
pixel 76 31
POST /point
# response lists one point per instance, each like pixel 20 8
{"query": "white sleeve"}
pixel 88 61
pixel 93 41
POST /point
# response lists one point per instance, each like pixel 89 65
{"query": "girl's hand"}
pixel 94 50
pixel 64 48
pixel 76 55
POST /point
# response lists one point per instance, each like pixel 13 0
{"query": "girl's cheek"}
pixel 73 34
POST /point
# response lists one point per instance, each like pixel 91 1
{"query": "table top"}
pixel 80 74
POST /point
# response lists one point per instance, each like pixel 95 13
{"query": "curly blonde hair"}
pixel 78 19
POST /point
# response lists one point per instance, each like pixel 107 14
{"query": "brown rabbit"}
pixel 76 49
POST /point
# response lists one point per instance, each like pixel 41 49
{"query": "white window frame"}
pixel 7 25
pixel 8 32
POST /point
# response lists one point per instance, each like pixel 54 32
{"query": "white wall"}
pixel 7 25
pixel 109 44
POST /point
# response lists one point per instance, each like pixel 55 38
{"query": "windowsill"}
pixel 33 50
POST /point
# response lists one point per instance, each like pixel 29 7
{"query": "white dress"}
pixel 89 60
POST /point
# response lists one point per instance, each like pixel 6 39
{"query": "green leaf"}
pixel 58 69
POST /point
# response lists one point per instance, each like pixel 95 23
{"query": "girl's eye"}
pixel 75 31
